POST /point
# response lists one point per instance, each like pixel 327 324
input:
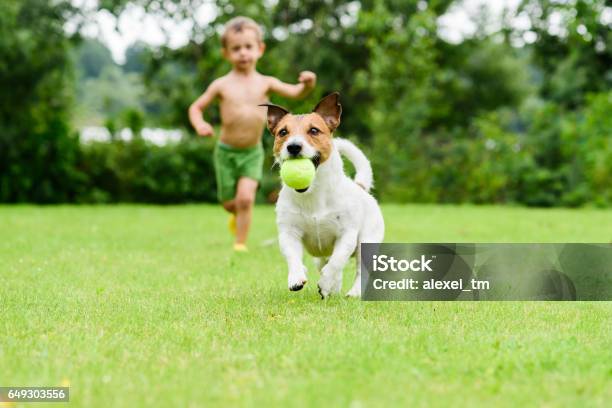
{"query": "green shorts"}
pixel 231 163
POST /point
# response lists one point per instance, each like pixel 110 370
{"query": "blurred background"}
pixel 453 101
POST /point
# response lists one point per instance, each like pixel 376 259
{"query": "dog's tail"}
pixel 363 175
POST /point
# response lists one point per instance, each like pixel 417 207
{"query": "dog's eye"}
pixel 283 132
pixel 314 131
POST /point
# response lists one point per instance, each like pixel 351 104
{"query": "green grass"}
pixel 143 305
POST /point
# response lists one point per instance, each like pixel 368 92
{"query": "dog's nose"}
pixel 294 149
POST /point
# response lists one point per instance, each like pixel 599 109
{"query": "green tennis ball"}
pixel 297 173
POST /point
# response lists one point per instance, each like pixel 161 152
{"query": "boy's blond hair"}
pixel 237 24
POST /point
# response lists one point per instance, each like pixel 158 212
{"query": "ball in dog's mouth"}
pixel 316 160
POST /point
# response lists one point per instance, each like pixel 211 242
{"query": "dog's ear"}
pixel 275 114
pixel 330 110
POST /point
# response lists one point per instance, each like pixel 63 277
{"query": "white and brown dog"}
pixel 335 214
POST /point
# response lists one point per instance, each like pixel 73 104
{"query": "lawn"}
pixel 146 305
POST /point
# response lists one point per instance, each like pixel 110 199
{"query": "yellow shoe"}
pixel 231 224
pixel 240 248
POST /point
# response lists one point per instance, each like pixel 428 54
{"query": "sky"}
pixel 135 25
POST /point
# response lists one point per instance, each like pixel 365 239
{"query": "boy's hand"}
pixel 308 78
pixel 204 130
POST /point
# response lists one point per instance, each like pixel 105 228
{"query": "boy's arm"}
pixel 307 81
pixel 202 127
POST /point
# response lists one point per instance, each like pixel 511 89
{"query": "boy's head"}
pixel 242 42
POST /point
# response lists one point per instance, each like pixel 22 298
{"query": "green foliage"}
pixel 37 150
pixel 475 77
pixel 91 57
pixel 481 166
pixel 108 96
pixel 595 146
pixel 108 93
pixel 138 171
pixel 441 122
pixel 574 54
pixel 570 154
pixel 173 86
pixel 586 145
pixel 141 172
pixel 134 120
pixel 490 119
pixel 136 57
pixel 400 47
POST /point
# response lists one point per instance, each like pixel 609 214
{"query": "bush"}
pixel 479 165
pixel 138 171
pixel 587 142
pixel 570 156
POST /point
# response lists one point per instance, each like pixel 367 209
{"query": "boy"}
pixel 238 155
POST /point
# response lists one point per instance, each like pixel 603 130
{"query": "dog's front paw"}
pixel 298 285
pixel 296 281
pixel 329 284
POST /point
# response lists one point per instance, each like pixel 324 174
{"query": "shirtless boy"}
pixel 238 155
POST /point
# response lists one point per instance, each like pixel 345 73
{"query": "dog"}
pixel 335 214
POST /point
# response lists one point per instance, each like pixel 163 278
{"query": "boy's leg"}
pixel 250 165
pixel 230 206
pixel 245 198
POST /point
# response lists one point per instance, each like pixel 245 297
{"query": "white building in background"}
pixel 156 136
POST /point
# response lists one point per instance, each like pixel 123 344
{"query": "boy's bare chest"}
pixel 250 93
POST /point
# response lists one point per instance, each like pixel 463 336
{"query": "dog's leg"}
pixel 291 247
pixel 331 274
pixel 320 263
pixel 374 236
pixel 356 289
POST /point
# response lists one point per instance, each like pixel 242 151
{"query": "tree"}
pixel 136 58
pixel 572 48
pixel 37 152
pixel 91 57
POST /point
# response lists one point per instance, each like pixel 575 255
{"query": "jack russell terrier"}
pixel 334 215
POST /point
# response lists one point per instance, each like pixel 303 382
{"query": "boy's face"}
pixel 243 49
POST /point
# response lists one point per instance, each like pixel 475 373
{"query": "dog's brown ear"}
pixel 275 114
pixel 330 110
